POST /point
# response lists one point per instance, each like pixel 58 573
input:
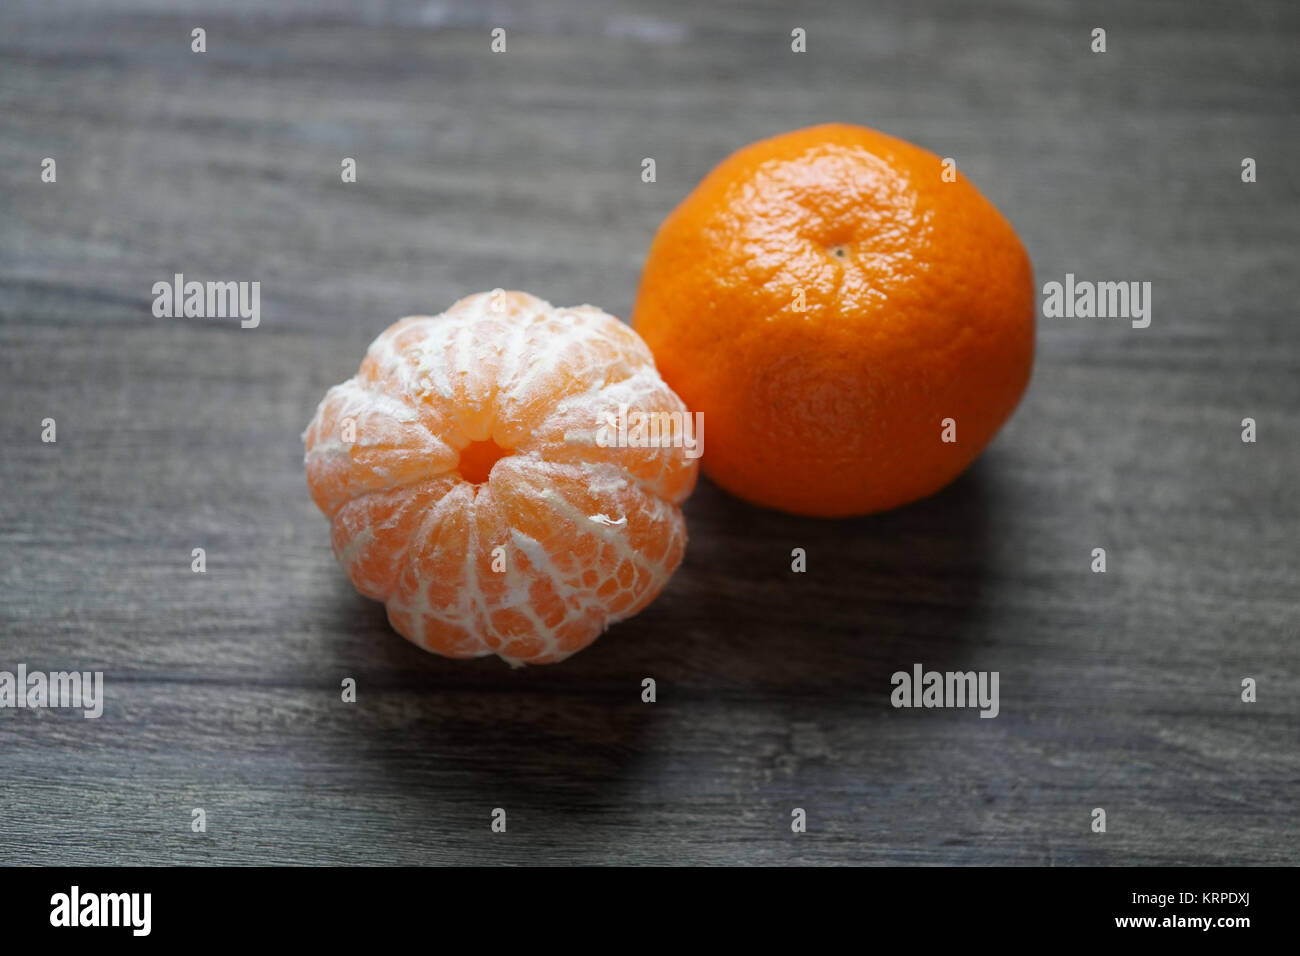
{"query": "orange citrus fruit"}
pixel 853 319
pixel 470 487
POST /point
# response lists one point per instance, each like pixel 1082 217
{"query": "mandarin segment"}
pixel 372 533
pixel 474 499
pixel 572 433
pixel 364 441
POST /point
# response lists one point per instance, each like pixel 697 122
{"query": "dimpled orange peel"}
pixel 469 488
pixel 852 318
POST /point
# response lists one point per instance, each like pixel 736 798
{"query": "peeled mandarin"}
pixel 475 485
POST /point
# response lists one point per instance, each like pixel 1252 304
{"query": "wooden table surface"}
pixel 1119 691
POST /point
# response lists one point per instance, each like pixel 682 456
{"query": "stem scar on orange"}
pixel 829 300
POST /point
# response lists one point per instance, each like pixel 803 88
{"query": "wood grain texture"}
pixel 523 170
